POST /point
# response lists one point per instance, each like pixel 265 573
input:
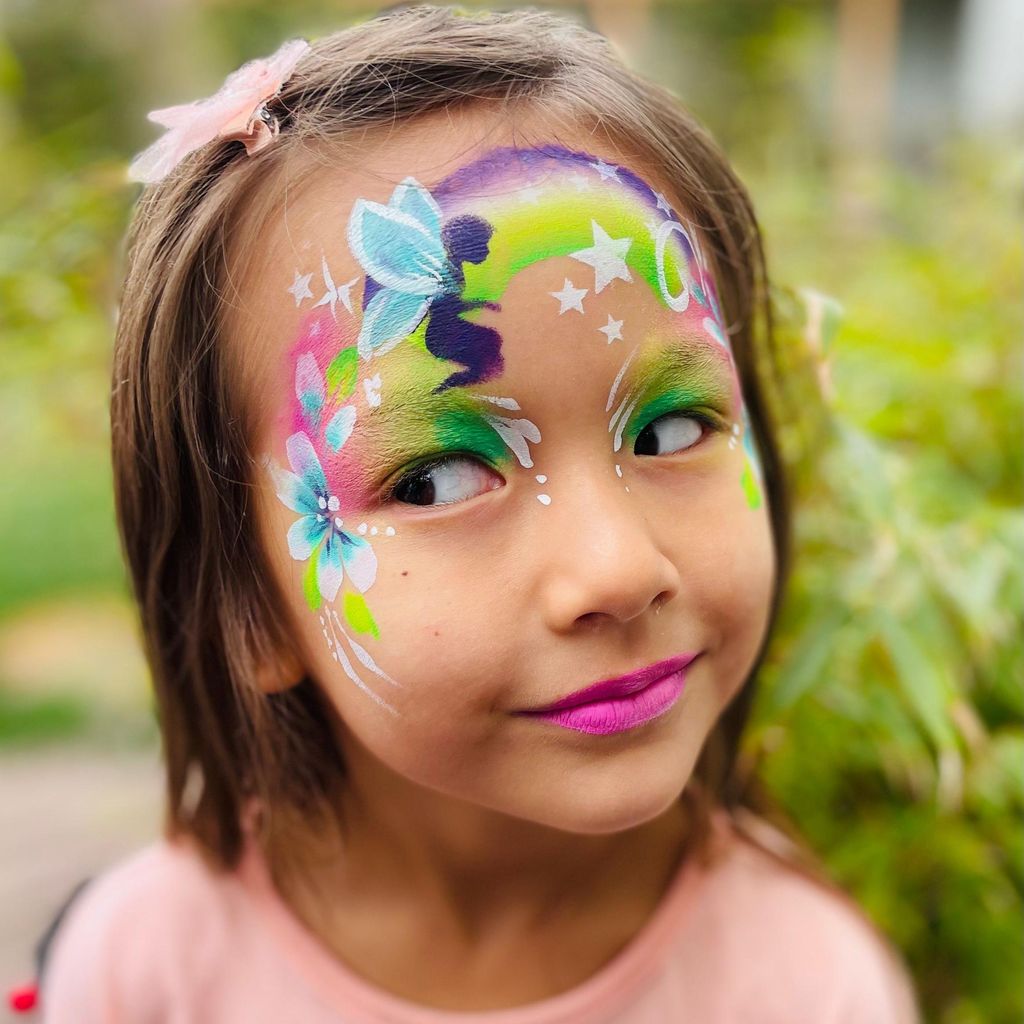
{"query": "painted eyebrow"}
pixel 682 363
pixel 679 359
pixel 398 430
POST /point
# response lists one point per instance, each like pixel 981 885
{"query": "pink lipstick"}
pixel 614 705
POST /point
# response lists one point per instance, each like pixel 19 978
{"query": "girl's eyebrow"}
pixel 679 358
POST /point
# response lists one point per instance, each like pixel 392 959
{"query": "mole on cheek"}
pixel 405 572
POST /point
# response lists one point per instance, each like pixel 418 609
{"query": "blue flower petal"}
pixel 305 534
pixel 305 463
pixel 360 561
pixel 328 568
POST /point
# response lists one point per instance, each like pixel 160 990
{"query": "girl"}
pixel 456 519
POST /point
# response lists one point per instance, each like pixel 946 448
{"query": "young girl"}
pixel 456 519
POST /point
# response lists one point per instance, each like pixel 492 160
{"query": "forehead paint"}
pixel 432 259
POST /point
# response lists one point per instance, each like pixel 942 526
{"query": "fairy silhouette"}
pixel 413 267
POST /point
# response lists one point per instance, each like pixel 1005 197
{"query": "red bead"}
pixel 24 998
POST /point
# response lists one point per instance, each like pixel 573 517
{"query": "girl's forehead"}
pixel 477 266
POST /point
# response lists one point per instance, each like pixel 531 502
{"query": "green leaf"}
pixel 925 683
pixel 358 616
pixel 341 374
pixel 310 588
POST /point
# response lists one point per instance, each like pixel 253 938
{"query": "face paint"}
pixel 383 364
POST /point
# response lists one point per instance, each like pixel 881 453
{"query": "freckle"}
pixel 405 572
pixel 544 499
pixel 618 470
pixel 542 479
pixel 437 632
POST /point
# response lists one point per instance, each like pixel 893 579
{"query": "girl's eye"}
pixel 673 432
pixel 445 481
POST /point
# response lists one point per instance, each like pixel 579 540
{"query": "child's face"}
pixel 505 456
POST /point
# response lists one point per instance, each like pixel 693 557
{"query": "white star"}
pixel 570 297
pixel 605 170
pixel 663 203
pixel 531 194
pixel 606 257
pixel 612 330
pixel 335 292
pixel 300 287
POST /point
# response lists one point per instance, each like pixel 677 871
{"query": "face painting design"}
pixel 433 260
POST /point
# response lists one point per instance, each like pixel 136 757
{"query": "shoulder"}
pixel 803 949
pixel 137 936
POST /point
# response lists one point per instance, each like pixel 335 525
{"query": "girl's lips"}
pixel 619 686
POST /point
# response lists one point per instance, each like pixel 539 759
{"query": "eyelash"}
pixel 708 422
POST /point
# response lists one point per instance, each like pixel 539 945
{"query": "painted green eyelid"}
pixel 673 400
pixel 460 430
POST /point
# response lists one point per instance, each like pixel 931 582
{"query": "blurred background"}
pixel 881 141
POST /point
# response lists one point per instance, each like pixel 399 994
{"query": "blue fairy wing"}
pixel 412 198
pixel 397 249
pixel 390 317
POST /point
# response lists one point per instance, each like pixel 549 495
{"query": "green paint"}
pixel 310 588
pixel 358 616
pixel 525 234
pixel 749 484
pixel 342 372
pixel 680 399
pixel 466 430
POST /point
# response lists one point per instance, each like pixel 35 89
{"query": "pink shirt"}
pixel 159 939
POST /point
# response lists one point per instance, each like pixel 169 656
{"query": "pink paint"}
pixel 625 702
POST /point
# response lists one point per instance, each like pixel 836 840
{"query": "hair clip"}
pixel 237 110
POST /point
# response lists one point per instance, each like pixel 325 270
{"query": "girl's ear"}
pixel 281 671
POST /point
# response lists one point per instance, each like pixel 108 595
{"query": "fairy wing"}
pixel 389 317
pixel 399 245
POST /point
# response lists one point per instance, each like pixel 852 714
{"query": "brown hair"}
pixel 183 470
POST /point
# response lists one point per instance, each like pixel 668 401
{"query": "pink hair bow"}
pixel 237 110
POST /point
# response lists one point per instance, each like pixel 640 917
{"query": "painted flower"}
pixel 318 535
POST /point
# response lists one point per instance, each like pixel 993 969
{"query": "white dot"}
pixel 732 442
pixel 322 501
pixel 627 490
pixel 320 518
pixel 390 531
pixel 332 503
pixel 618 470
pixel 542 479
pixel 736 428
pixel 338 523
pixel 373 531
pixel 361 527
pixel 544 499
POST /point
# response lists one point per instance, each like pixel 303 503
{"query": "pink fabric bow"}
pixel 234 111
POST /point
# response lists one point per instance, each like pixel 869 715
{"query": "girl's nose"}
pixel 605 561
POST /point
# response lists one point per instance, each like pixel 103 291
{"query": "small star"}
pixel 531 194
pixel 663 203
pixel 570 297
pixel 300 287
pixel 605 170
pixel 606 257
pixel 335 293
pixel 612 330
